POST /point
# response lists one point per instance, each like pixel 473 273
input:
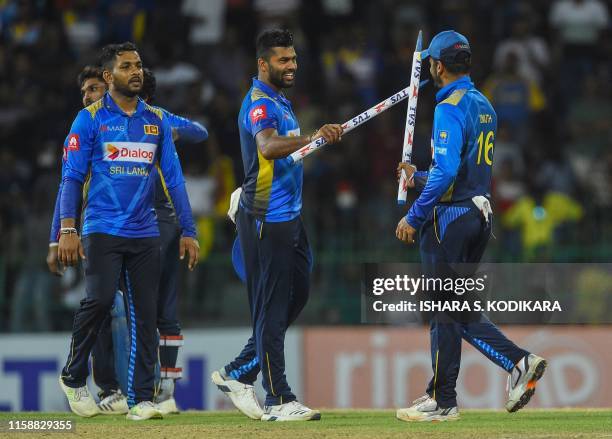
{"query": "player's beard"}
pixel 126 90
pixel 436 78
pixel 277 78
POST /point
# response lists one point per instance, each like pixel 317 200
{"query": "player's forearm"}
pixel 68 223
pixel 278 147
pixel 55 224
pixel 70 199
pixel 191 132
pixel 180 201
pixel 186 130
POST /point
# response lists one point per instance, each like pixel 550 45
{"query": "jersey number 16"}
pixel 487 154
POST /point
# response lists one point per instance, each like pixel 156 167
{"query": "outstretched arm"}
pixel 186 130
pixel 272 146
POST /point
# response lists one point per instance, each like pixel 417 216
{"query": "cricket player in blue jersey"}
pixel 274 245
pixel 111 149
pixel 453 217
pixel 112 400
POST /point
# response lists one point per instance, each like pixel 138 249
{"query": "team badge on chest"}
pixel 152 130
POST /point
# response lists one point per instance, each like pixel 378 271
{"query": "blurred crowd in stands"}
pixel 545 65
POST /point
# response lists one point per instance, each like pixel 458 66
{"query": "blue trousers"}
pixel 277 263
pixel 103 351
pixel 108 258
pixel 454 237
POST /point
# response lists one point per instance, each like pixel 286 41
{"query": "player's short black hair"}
pixel 149 85
pixel 110 52
pixel 272 38
pixel 89 72
pixel 460 64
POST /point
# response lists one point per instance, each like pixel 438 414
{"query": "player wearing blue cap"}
pixel 453 217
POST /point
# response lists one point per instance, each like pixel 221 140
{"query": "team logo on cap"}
pixel 460 46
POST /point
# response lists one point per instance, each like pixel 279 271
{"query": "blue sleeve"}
pixel 448 141
pixel 180 201
pixel 188 130
pixel 55 224
pixel 420 180
pixel 172 174
pixel 70 198
pixel 261 115
pixel 78 149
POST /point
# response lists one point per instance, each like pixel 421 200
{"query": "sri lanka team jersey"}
pixel 463 135
pixel 113 156
pixel 189 132
pixel 272 189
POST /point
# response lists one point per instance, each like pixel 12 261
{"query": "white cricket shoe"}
pixel 80 400
pixel 114 404
pixel 165 398
pixel 242 395
pixel 144 410
pixel 522 381
pixel 420 399
pixel 426 409
pixel 291 411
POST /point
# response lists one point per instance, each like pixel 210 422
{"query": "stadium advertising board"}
pixel 30 365
pixel 385 368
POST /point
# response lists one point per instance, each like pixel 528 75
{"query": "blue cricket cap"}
pixel 446 45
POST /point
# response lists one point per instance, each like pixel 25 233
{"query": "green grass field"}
pixel 570 423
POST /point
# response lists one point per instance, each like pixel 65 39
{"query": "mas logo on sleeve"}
pixel 443 137
pixel 73 142
pixel 258 113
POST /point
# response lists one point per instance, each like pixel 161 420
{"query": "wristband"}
pixel 68 231
pixel 53 244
